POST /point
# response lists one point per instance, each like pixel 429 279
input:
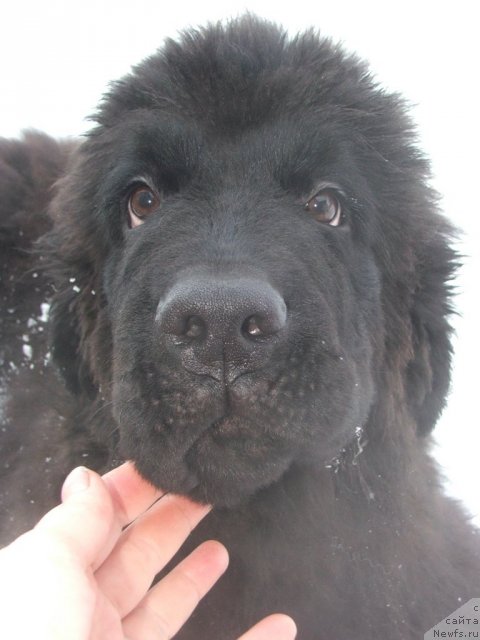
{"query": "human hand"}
pixel 80 575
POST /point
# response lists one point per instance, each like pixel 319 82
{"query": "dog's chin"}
pixel 220 472
pixel 218 491
pixel 219 496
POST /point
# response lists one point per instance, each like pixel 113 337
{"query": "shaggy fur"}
pixel 238 346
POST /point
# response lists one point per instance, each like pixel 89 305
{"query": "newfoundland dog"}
pixel 240 281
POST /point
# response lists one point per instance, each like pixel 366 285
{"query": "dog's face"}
pixel 252 232
pixel 244 306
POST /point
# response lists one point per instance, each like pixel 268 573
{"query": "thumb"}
pixel 84 523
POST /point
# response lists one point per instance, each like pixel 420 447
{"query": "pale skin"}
pixel 80 574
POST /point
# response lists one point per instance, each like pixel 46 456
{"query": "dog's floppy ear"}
pixel 428 373
pixel 66 340
pixel 68 251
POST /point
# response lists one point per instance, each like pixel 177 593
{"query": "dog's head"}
pixel 249 261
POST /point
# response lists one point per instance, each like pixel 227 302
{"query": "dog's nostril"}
pixel 251 327
pixel 195 327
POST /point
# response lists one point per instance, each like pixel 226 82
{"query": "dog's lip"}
pixel 219 375
pixel 223 426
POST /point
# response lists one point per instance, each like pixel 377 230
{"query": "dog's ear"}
pixel 428 372
pixel 69 259
pixel 66 342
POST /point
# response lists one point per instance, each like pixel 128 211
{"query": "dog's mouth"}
pixel 221 463
pixel 198 461
pixel 220 443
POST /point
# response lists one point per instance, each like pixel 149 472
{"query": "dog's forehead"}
pixel 290 151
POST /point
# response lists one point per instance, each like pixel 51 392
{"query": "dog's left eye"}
pixel 325 207
pixel 142 202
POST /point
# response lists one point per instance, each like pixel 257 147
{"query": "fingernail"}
pixel 77 480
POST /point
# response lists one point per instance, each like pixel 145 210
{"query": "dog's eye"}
pixel 325 207
pixel 142 202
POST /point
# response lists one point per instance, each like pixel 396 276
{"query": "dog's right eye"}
pixel 143 201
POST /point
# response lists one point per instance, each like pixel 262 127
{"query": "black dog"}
pixel 250 300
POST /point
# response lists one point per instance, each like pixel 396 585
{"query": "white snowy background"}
pixel 57 57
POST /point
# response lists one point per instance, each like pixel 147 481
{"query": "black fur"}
pixel 312 441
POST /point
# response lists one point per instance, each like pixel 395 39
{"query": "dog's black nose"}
pixel 221 327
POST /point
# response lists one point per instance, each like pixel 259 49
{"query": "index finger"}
pixel 132 495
